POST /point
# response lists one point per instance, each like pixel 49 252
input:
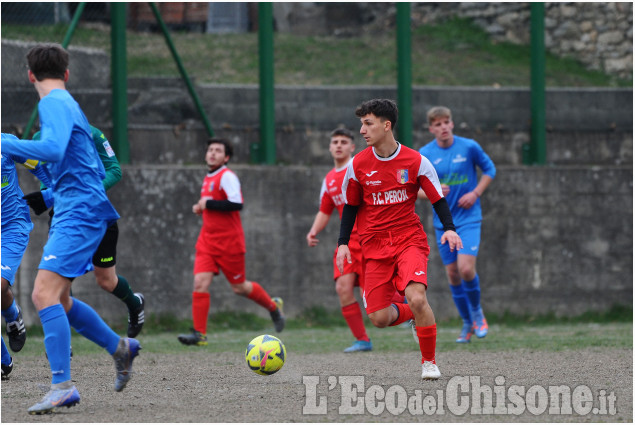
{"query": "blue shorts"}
pixel 71 245
pixel 470 236
pixel 13 247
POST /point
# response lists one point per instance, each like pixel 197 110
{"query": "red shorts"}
pixel 391 262
pixel 354 267
pixel 232 265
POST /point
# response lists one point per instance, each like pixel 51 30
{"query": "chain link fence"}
pixel 26 23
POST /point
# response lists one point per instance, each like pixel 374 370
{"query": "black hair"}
pixel 382 108
pixel 48 61
pixel 229 148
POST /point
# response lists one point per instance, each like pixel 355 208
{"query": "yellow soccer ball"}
pixel 265 354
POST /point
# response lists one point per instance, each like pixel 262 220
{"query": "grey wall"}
pixel 584 126
pixel 555 239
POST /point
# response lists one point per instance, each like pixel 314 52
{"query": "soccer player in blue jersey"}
pixel 455 160
pixel 16 226
pixel 105 257
pixel 82 214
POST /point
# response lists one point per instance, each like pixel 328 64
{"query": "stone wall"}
pixel 600 35
pixel 584 126
pixel 555 240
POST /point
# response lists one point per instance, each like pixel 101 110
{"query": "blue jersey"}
pixel 72 164
pixel 15 211
pixel 456 167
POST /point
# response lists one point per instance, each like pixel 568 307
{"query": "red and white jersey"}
pixel 385 189
pixel 222 231
pixel 331 196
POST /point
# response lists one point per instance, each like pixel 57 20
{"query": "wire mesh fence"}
pixel 85 30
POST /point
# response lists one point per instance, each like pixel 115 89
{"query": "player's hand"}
pixel 196 209
pixel 453 240
pixel 466 201
pixel 343 254
pixel 311 239
pixel 35 200
pixel 445 189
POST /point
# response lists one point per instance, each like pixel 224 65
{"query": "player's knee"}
pixel 38 297
pixel 418 303
pixel 380 319
pixel 241 289
pixel 106 282
pixel 344 291
pixel 5 286
pixel 467 272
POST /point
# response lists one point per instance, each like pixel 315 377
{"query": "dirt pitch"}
pixel 212 387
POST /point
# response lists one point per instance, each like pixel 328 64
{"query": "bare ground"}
pixel 209 387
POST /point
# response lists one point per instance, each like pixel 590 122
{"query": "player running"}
pixel 380 189
pixel 105 257
pixel 455 159
pixel 341 148
pixel 16 227
pixel 83 212
pixel 221 244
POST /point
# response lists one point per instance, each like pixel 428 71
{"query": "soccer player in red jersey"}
pixel 380 189
pixel 341 148
pixel 221 244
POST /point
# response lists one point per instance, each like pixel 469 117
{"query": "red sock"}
pixel 200 310
pixel 260 297
pixel 427 342
pixel 404 313
pixel 353 315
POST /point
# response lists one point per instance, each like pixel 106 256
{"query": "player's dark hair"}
pixel 229 149
pixel 343 132
pixel 385 109
pixel 47 61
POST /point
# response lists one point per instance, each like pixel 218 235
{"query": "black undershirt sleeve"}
pixel 225 205
pixel 349 214
pixel 443 211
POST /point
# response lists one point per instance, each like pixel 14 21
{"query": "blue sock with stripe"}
pixel 473 292
pixel 6 357
pixel 11 313
pixel 91 326
pixel 57 341
pixel 461 302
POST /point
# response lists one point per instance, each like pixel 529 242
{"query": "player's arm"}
pixel 469 199
pixel 35 200
pixel 429 182
pixel 322 218
pixel 225 205
pixel 234 202
pixel 55 135
pixel 107 157
pixel 349 214
pixel 488 169
pixel 319 223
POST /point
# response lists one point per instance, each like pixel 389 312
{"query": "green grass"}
pixel 453 53
pixel 502 338
pixel 320 331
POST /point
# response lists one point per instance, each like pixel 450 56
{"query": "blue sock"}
pixel 461 302
pixel 6 357
pixel 473 292
pixel 87 323
pixel 57 341
pixel 11 313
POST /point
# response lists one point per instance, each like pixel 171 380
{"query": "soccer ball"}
pixel 265 354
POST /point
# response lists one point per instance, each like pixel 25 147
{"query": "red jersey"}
pixel 331 195
pixel 222 231
pixel 385 189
